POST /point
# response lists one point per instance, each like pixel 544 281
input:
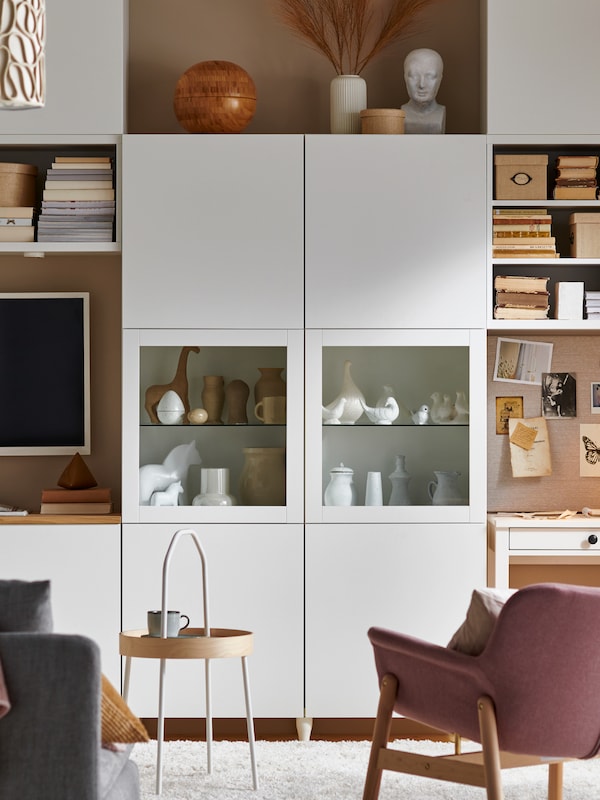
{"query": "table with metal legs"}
pixel 201 643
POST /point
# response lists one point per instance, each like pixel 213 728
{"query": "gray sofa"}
pixel 50 739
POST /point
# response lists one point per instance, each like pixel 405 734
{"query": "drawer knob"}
pixel 592 538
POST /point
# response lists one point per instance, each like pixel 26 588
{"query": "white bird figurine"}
pixel 382 414
pixel 435 406
pixel 462 409
pixel 422 416
pixel 446 410
pixel 331 414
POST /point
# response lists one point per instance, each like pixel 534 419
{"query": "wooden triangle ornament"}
pixel 77 475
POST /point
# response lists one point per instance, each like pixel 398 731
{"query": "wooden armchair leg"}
pixel 490 748
pixel 381 735
pixel 555 781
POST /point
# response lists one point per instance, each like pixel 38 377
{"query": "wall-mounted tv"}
pixel 44 373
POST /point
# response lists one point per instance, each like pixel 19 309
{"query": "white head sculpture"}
pixel 423 71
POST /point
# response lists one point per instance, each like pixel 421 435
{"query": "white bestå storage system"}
pixel 313 249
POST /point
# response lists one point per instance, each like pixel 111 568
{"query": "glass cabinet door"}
pixel 394 426
pixel 213 426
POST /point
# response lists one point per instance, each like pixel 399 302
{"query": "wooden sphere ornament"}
pixel 215 97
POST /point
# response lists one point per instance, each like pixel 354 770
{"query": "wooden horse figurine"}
pixel 179 384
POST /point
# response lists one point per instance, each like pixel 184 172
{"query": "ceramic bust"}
pixel 423 70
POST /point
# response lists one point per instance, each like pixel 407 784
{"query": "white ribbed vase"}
pixel 347 98
pixel 22 63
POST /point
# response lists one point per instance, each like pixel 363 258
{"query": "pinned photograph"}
pixel 589 451
pixel 521 361
pixel 559 395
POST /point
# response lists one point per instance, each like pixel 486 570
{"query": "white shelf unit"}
pixel 563 268
pixel 528 53
pixel 40 150
pixel 150 357
pixel 415 364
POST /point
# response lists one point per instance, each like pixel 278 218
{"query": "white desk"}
pixel 517 540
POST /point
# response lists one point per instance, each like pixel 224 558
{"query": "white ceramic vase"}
pixel 352 409
pixel 214 488
pixel 347 98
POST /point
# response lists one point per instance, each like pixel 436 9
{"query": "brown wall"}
pixel 579 355
pixel 23 477
pixel 292 80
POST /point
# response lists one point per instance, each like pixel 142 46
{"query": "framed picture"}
pixel 521 361
pixel 507 407
pixel 559 395
pixel 595 397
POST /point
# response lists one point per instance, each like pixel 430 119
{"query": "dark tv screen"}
pixel 44 364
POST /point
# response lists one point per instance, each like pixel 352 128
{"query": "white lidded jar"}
pixel 340 491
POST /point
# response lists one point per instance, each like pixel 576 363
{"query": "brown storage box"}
pixel 584 234
pixel 521 177
pixel 382 120
pixel 17 184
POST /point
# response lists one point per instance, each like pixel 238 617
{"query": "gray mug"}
pixel 174 619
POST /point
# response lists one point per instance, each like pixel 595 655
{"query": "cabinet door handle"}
pixel 592 538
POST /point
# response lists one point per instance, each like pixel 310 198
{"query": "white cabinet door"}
pixel 532 51
pixel 395 231
pixel 416 579
pixel 213 233
pixel 255 579
pixel 83 563
pixel 85 71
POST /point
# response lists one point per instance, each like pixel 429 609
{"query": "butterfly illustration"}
pixel 592 451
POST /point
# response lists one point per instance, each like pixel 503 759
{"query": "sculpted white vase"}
pixel 347 98
pixel 354 399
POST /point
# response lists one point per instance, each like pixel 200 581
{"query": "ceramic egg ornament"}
pixel 198 416
pixel 170 409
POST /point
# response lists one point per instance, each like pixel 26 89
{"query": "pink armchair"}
pixel 530 697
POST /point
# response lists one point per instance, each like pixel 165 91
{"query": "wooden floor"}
pixel 330 729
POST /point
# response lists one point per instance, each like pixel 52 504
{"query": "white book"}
pixel 569 299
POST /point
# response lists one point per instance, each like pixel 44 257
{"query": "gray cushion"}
pixel 117 775
pixel 25 606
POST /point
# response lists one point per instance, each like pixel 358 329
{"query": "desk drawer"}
pixel 549 539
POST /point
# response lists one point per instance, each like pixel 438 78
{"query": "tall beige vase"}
pixel 270 384
pixel 213 398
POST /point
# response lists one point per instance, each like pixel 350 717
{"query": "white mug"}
pixel 174 625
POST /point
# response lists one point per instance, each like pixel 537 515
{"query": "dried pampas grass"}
pixel 350 33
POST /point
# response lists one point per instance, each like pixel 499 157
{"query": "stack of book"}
pixel 576 177
pixel 78 200
pixel 592 304
pixel 95 500
pixel 16 224
pixel 521 297
pixel 522 233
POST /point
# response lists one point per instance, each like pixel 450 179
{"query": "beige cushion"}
pixel 483 611
pixel 119 723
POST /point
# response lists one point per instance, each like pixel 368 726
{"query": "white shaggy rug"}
pixel 318 770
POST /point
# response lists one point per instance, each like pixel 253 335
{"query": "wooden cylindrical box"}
pixel 382 120
pixel 17 184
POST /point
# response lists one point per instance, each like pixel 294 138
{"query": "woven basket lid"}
pixel 382 112
pixel 25 169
